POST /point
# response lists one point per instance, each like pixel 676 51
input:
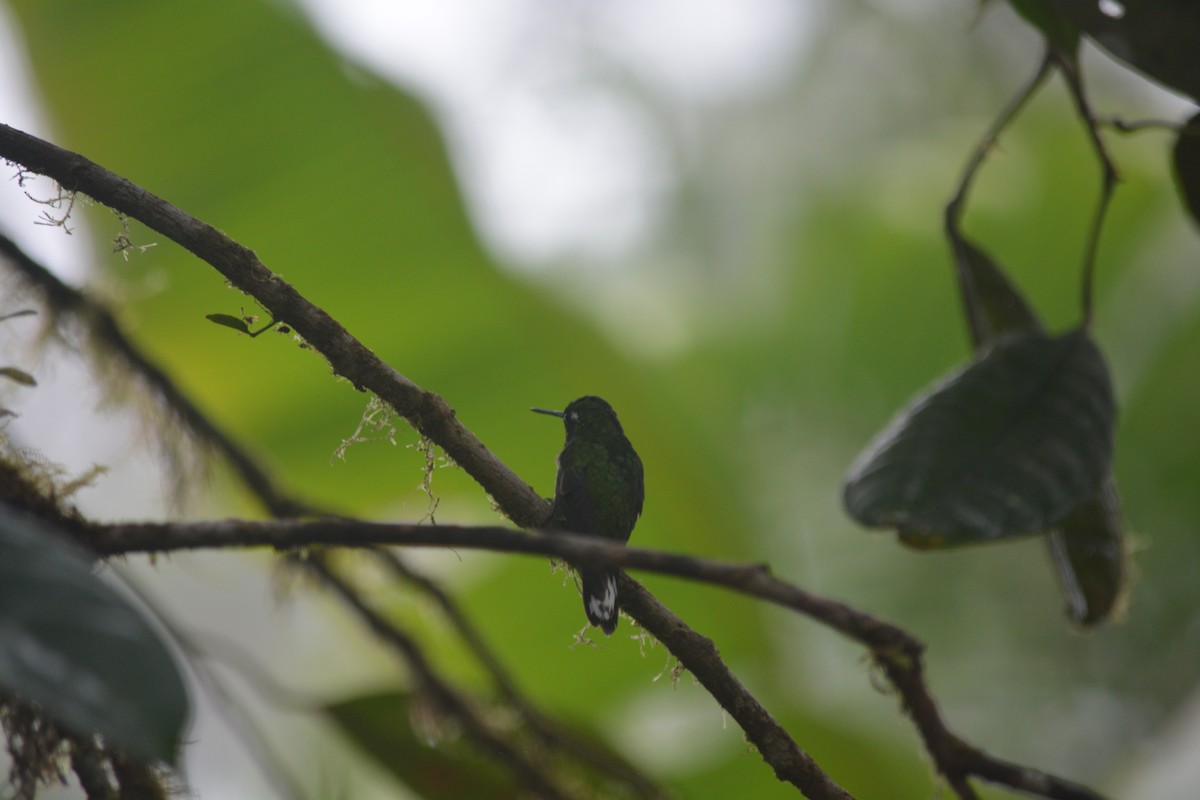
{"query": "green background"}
pixel 816 294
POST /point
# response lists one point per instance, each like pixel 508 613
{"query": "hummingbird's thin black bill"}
pixel 547 411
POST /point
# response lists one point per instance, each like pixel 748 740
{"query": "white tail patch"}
pixel 604 606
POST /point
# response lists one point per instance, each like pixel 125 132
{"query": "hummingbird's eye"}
pixel 573 416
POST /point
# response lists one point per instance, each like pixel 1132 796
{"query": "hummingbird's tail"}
pixel 600 598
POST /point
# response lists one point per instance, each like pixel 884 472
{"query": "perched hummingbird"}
pixel 599 492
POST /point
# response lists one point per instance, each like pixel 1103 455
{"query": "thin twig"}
pixel 987 142
pixel 965 253
pixel 1122 125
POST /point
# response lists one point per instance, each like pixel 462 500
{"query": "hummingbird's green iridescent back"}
pixel 599 492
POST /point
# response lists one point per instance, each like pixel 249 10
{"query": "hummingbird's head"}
pixel 588 414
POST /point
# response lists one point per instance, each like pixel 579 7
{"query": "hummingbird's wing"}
pixel 574 507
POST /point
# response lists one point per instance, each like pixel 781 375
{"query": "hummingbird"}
pixel 598 492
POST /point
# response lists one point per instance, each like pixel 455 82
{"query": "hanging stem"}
pixel 985 144
pixel 1108 178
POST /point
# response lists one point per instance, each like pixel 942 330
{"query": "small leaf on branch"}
pixel 1186 161
pixel 18 376
pixel 1089 557
pixel 1010 445
pixel 229 321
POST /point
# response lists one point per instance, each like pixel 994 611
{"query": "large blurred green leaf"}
pixel 77 649
pixel 382 726
pixel 1008 446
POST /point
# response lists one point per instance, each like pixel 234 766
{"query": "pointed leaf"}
pixel 1010 445
pixel 18 376
pixel 74 646
pixel 229 321
pixel 992 303
pixel 1186 161
pixel 1088 553
pixel 381 724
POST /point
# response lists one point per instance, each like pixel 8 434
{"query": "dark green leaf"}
pixel 1059 31
pixel 1088 552
pixel 229 321
pixel 1010 445
pixel 74 646
pixel 992 303
pixel 1186 161
pixel 382 725
pixel 18 375
pixel 1158 37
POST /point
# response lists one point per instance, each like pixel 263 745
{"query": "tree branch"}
pixel 777 748
pixel 108 335
pixel 102 326
pixel 447 698
pixel 435 419
pixel 550 732
pixel 752 579
pixel 427 412
pixel 896 651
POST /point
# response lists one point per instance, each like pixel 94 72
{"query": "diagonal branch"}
pixel 550 733
pixel 106 331
pixel 435 419
pixel 108 334
pixel 431 415
pixel 448 699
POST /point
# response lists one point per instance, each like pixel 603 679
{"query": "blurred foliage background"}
pixel 784 286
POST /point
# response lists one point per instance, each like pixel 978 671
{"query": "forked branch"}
pixel 435 419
